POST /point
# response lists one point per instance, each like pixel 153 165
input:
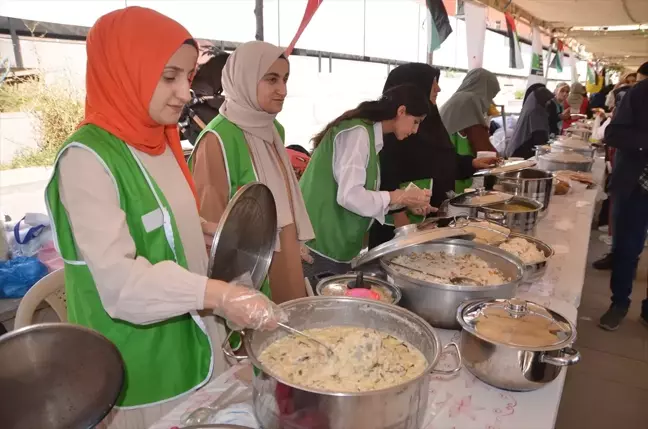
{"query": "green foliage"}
pixel 59 108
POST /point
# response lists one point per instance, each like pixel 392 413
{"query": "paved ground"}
pixel 609 387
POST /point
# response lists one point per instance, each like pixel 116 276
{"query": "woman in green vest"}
pixel 464 116
pixel 245 143
pixel 342 181
pixel 126 220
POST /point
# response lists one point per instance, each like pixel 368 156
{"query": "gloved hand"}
pixel 412 198
pixel 245 307
pixel 424 211
pixel 249 308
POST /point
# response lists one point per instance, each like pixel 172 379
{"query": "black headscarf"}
pixel 530 90
pixel 427 154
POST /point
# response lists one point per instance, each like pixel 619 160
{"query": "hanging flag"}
pixel 591 73
pixel 475 33
pixel 515 53
pixel 557 61
pixel 536 74
pixel 552 41
pixel 438 24
pixel 311 8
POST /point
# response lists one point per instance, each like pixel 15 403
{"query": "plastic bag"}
pixel 18 275
pixel 30 234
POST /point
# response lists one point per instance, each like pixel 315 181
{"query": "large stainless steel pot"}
pixel 437 303
pixel 531 183
pixel 552 162
pixel 57 376
pixel 510 366
pixel 515 220
pixel 282 405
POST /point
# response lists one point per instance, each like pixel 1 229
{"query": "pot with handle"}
pixel 515 344
pixel 280 404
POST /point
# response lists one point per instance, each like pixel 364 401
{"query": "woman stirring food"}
pixel 424 157
pixel 464 116
pixel 126 220
pixel 245 143
pixel 342 181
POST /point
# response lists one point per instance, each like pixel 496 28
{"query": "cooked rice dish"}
pixel 527 251
pixel 440 267
pixel 364 360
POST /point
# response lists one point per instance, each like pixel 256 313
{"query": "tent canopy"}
pixel 625 48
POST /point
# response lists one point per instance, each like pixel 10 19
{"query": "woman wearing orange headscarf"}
pixel 126 219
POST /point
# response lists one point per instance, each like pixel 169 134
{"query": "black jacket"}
pixel 628 133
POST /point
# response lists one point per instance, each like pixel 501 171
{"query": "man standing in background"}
pixel 628 134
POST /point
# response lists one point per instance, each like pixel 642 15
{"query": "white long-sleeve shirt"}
pixel 350 161
pixel 130 287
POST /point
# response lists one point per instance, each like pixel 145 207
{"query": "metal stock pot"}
pixel 282 405
pixel 505 363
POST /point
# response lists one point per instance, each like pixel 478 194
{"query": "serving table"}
pixel 464 402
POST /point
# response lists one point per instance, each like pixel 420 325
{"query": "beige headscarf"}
pixel 241 75
pixel 576 96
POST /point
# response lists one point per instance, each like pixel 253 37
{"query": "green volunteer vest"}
pixel 421 183
pixel 163 360
pixel 240 168
pixel 462 146
pixel 339 233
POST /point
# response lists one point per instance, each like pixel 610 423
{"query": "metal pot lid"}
pixel 480 198
pixel 566 157
pixel 517 323
pixel 411 239
pixel 507 167
pixel 245 239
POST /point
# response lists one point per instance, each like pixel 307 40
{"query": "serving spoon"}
pixel 292 330
pixel 458 280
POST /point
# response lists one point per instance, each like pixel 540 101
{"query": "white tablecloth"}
pixel 463 402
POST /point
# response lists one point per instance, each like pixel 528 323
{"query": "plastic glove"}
pixel 245 307
pixel 412 198
pixel 305 254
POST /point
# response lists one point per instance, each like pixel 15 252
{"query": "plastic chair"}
pixel 50 289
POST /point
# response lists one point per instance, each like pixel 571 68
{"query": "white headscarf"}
pixel 576 96
pixel 241 75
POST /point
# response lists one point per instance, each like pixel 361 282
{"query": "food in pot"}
pixel 528 330
pixel 526 250
pixel 513 207
pixel 364 360
pixel 440 267
pixel 339 289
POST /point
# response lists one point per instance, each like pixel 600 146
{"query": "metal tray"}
pixel 246 236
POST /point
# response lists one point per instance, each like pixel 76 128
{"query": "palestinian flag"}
pixel 515 53
pixel 591 74
pixel 438 24
pixel 557 61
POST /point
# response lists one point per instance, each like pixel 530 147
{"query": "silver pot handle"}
pixel 496 217
pixel 227 348
pixel 457 353
pixel 568 356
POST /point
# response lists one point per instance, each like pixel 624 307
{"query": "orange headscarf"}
pixel 127 52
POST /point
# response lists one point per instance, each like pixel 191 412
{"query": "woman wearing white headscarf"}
pixel 577 103
pixel 245 143
pixel 464 116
